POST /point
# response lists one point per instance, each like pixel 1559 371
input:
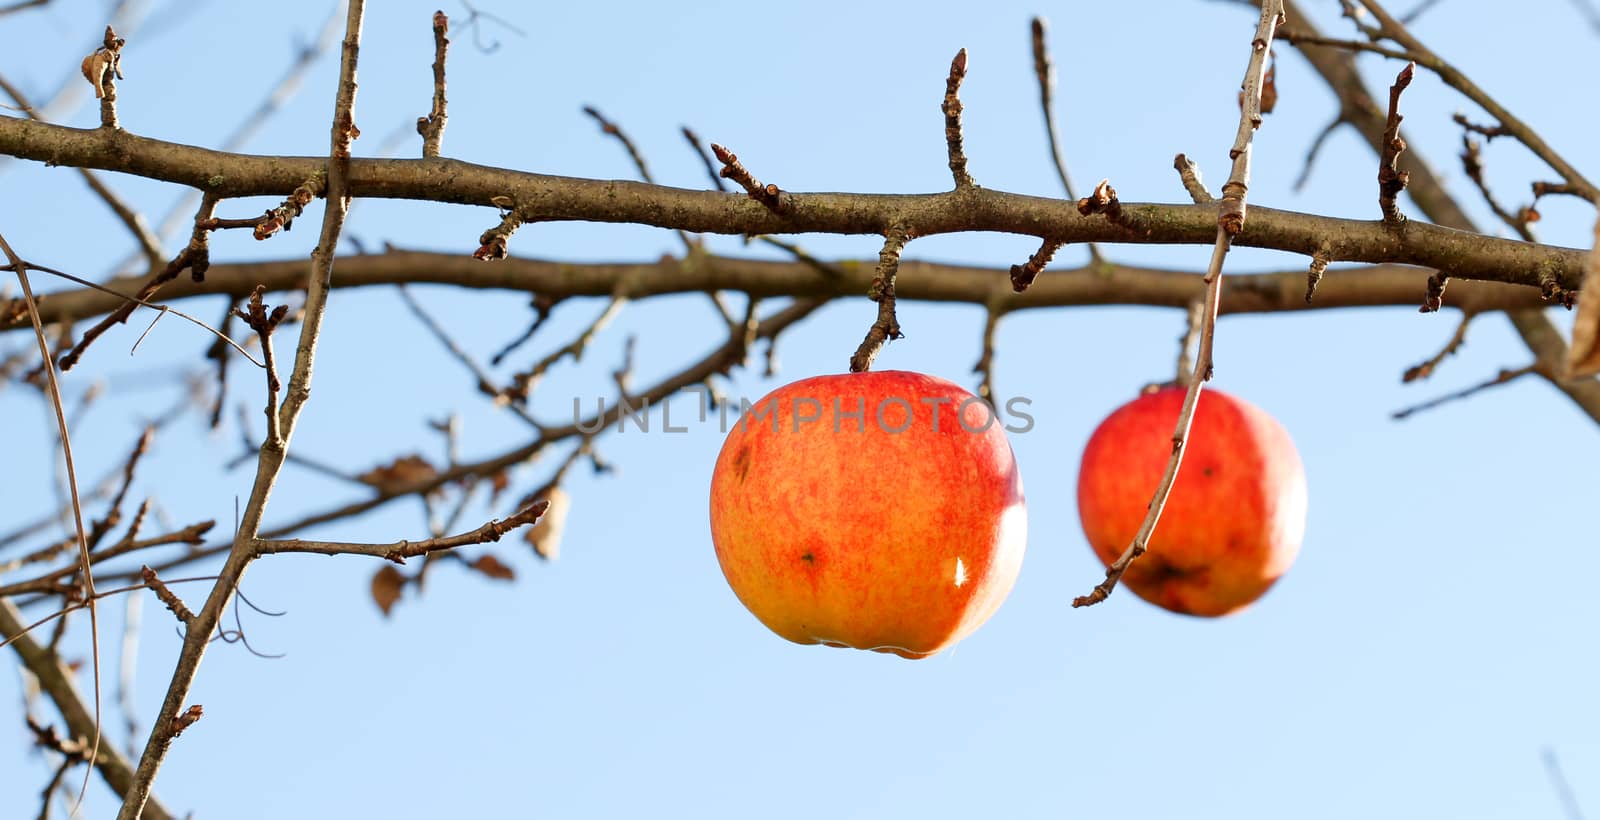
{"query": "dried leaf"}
pixel 386 587
pixel 491 566
pixel 399 473
pixel 545 534
pixel 1583 358
pixel 1269 88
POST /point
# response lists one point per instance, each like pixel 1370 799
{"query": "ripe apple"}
pixel 1237 512
pixel 879 510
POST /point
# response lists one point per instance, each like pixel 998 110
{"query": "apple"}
pixel 1237 513
pixel 879 510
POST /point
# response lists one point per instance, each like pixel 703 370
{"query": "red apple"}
pixel 1237 512
pixel 878 510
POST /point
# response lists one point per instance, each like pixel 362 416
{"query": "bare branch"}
pixel 1230 222
pixel 952 120
pixel 1392 180
pixel 1503 377
pixel 399 551
pixel 431 127
pixel 887 326
pixel 1425 369
pixel 343 131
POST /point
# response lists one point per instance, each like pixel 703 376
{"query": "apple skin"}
pixel 842 532
pixel 1237 513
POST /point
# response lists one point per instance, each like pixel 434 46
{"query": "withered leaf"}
pixel 545 534
pixel 386 587
pixel 491 566
pixel 1269 88
pixel 399 473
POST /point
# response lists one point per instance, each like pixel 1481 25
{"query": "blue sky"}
pixel 1427 646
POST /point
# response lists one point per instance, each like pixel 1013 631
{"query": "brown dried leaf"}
pixel 491 566
pixel 545 534
pixel 399 473
pixel 386 587
pixel 1583 358
pixel 1269 88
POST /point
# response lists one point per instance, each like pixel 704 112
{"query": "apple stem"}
pixel 1230 221
pixel 886 326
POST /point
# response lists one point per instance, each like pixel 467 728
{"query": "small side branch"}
pixel 1392 180
pixel 102 68
pixel 264 323
pixel 768 195
pixel 1230 222
pixel 985 366
pixel 494 244
pixel 279 218
pixel 1472 164
pixel 1435 296
pixel 1044 72
pixel 1504 377
pixel 887 325
pixel 1023 275
pixel 523 383
pixel 1189 174
pixel 952 120
pixel 431 127
pixel 398 552
pixel 1425 369
pixel 1314 274
pixel 195 257
pixel 168 598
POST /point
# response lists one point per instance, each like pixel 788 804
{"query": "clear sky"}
pixel 1434 638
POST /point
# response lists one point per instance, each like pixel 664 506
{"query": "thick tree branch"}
pixel 1111 284
pixel 548 198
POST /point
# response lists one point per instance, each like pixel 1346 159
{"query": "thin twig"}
pixel 1022 275
pixel 86 578
pixel 1392 180
pixel 343 131
pixel 1045 73
pixel 1230 222
pixel 1425 369
pixel 1503 377
pixel 522 383
pixel 485 384
pixel 1396 31
pixel 887 326
pixel 952 120
pixel 431 127
pixel 399 551
pixel 768 195
pixel 195 257
pixel 985 366
pixel 1189 174
pixel 221 336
